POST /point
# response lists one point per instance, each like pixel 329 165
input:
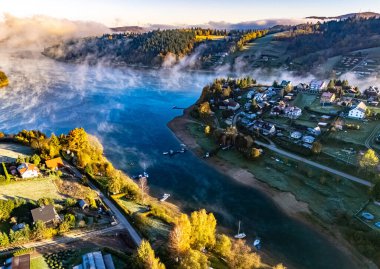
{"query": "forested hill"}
pixel 333 37
pixel 154 47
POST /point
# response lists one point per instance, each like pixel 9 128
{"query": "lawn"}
pixel 10 151
pixel 38 263
pixel 304 99
pixel 152 227
pixel 356 136
pixel 30 189
pixel 374 210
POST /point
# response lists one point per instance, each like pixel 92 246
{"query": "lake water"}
pixel 128 111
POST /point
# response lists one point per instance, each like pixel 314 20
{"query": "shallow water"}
pixel 128 110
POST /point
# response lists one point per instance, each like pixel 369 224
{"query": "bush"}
pixel 23 251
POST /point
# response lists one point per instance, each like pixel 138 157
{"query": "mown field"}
pixel 30 189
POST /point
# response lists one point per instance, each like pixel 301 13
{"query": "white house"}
pixel 28 170
pixel 317 86
pixel 358 112
pixel 292 112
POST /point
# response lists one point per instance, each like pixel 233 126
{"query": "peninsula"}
pixel 287 141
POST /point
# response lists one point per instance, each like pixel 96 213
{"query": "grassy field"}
pixel 152 227
pixel 30 189
pixel 9 151
pixel 38 263
pixel 356 136
pixel 304 99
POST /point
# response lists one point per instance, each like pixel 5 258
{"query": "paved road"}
pixel 317 165
pixel 371 137
pixel 120 217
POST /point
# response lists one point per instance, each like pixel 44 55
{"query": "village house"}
pixel 263 127
pixel 345 101
pixel 316 86
pixel 292 112
pixel 229 104
pixel 327 98
pixel 285 83
pixel 302 87
pixel 28 170
pixel 54 164
pixel 373 92
pixel 358 112
pixel 46 213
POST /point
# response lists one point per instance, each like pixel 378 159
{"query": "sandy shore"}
pixel 286 201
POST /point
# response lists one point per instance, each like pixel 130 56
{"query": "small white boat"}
pixel 240 235
pixel 207 155
pixel 164 197
pixel 165 153
pixel 257 242
pixel 146 174
pixel 183 146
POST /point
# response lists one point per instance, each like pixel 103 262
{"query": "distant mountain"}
pixel 346 16
pixel 130 29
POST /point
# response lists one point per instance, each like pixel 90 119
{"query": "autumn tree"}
pixel 242 257
pixel 279 266
pixel 179 238
pixel 205 109
pixel 4 239
pixel 255 153
pixel 144 189
pixel 203 228
pixel 207 129
pixel 223 245
pixel 316 147
pixel 194 259
pixel 369 159
pixel 146 259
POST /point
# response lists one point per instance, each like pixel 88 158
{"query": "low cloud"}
pixel 41 31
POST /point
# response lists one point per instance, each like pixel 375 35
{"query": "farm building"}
pixel 28 170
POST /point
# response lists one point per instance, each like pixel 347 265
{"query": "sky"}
pixel 178 12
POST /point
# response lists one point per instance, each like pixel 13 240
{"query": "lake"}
pixel 128 111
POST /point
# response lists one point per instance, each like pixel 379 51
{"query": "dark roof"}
pixel 21 262
pixel 44 213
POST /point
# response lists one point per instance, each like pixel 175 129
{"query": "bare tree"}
pixel 143 184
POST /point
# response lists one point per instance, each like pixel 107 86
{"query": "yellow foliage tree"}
pixel 179 238
pixel 242 257
pixel 255 153
pixel 369 159
pixel 146 258
pixel 204 108
pixel 194 260
pixel 223 245
pixel 203 227
pixel 279 266
pixel 207 129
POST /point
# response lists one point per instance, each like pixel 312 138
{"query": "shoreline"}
pixel 285 201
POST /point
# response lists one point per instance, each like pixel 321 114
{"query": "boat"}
pixel 207 155
pixel 165 153
pixel 182 145
pixel 257 243
pixel 240 235
pixel 145 174
pixel 164 197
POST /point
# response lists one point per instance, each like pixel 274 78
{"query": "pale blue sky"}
pixel 140 12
